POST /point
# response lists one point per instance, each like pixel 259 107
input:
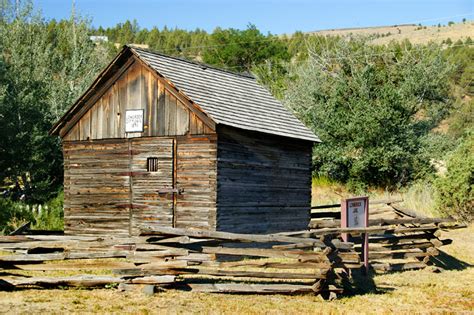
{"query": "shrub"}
pixel 454 191
pixel 12 215
pixel 372 111
pixel 51 216
pixel 48 216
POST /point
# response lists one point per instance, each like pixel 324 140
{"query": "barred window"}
pixel 152 164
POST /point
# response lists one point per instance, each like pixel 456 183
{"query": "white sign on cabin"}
pixel 134 120
pixel 356 213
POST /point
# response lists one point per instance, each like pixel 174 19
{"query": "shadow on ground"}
pixel 448 262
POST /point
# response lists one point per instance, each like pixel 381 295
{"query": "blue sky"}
pixel 275 16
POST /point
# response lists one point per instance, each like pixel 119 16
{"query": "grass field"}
pixel 414 33
pixel 451 291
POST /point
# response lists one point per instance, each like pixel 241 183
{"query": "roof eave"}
pixel 56 128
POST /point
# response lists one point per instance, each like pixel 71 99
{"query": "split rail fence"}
pixel 195 260
pixel 313 261
pixel 399 239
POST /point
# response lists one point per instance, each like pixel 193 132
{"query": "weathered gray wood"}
pixel 250 288
pixel 270 253
pixel 272 177
pixel 398 266
pixel 150 230
pixel 375 230
pixel 167 279
pixel 75 281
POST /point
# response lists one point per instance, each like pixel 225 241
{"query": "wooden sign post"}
pixel 355 214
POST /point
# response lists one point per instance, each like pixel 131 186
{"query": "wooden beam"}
pixel 96 95
pixel 264 238
pixel 190 104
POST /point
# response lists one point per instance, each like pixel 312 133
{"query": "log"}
pixel 154 280
pixel 316 274
pixel 269 253
pixel 75 281
pixel 251 288
pixel 375 230
pixel 148 230
pixel 397 266
pixel 61 256
pixel 398 254
pixel 75 266
pixel 401 221
pixel 266 264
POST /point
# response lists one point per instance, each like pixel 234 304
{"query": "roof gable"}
pixel 228 98
pixel 220 96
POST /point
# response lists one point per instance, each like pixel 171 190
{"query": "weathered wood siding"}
pixel 263 182
pixel 196 175
pixel 137 88
pixel 148 205
pixel 96 187
pixel 107 186
pixel 108 189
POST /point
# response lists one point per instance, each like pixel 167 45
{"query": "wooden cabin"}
pixel 158 140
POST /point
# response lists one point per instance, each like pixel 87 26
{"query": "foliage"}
pixel 241 49
pixel 45 67
pixel 48 216
pixel 51 216
pixel 461 118
pixel 12 215
pixel 461 56
pixel 455 190
pixel 371 106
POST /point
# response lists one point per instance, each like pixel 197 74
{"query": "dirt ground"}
pixel 451 291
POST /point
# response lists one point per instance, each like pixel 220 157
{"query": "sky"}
pixel 275 16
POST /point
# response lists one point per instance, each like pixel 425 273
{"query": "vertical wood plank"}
pixel 145 101
pixel 134 92
pixel 161 109
pixel 106 115
pixel 100 116
pixel 122 100
pixel 166 120
pixel 182 119
pixel 86 126
pixel 172 115
pixel 153 97
pixel 93 118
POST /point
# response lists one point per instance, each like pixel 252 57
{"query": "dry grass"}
pixel 450 291
pixel 413 33
pixel 406 292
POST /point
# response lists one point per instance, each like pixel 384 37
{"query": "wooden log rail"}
pixel 398 239
pixel 196 260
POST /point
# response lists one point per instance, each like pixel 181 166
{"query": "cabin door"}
pixel 152 181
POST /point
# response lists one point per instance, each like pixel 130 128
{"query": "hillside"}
pixel 415 33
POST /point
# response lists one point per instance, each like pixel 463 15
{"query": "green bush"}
pixel 48 216
pixel 13 215
pixel 454 191
pixel 371 110
pixel 51 216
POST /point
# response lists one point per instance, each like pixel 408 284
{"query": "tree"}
pixel 241 49
pixel 455 190
pixel 371 106
pixel 46 66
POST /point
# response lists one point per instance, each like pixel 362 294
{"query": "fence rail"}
pixel 314 261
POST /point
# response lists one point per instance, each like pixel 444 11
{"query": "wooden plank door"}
pixel 152 182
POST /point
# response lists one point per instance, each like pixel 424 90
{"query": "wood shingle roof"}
pixel 225 97
pixel 230 99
